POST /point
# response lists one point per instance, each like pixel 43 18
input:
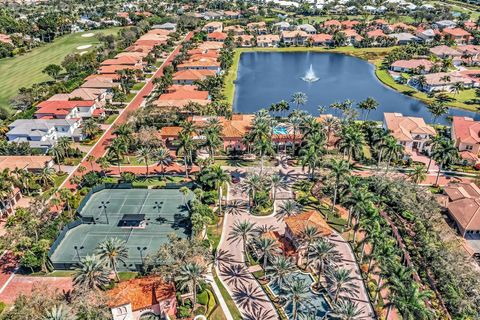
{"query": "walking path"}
pixel 138 101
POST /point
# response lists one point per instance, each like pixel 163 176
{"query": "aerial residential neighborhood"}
pixel 230 160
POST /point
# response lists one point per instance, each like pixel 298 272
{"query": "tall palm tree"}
pixel 346 309
pixel 351 142
pixel 437 110
pixel 392 150
pixel 445 154
pixel 289 208
pixel 243 231
pixel 45 177
pixel 212 135
pixel 112 251
pixel 103 163
pixel 341 282
pixel 279 270
pixel 297 292
pixel 92 274
pixel 339 170
pixel 410 301
pixel 220 178
pixel 359 201
pixel 190 275
pixel 299 98
pixel 368 105
pixel 144 154
pixel 276 182
pixel 308 236
pixel 186 145
pixel 312 152
pixel 250 185
pixel 264 147
pixel 118 148
pixel 266 248
pixel 296 118
pixel 418 174
pixel 163 158
pixel 324 255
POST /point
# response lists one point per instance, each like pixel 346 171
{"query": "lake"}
pixel 268 77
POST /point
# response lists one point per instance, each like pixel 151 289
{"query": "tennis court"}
pixel 142 218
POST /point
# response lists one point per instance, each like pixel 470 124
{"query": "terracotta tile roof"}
pixel 203 62
pixel 24 162
pixel 192 75
pixel 167 132
pixel 210 45
pixel 404 128
pixel 104 77
pixel 332 23
pixel 124 60
pixel 440 78
pixel 321 37
pixel 217 36
pixel 376 33
pixel 456 32
pixel 466 130
pixel 150 43
pixel 413 64
pixel 348 24
pixel 183 94
pixel 114 68
pixel 294 34
pixel 352 33
pixel 140 293
pixel 298 223
pixel 444 50
pixel 268 38
pixel 212 54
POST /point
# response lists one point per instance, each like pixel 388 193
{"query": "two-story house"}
pixel 466 135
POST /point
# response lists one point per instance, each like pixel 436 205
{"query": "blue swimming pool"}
pixel 280 130
pixel 317 304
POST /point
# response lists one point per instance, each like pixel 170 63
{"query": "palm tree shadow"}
pixel 235 274
pixel 249 298
pixel 260 314
pixel 224 257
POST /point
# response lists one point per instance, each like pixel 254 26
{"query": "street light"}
pixel 141 252
pixel 103 205
pixel 77 250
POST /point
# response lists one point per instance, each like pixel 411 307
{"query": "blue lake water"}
pixel 268 77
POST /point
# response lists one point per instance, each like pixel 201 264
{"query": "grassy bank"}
pixel 371 54
pixel 228 300
pixel 25 70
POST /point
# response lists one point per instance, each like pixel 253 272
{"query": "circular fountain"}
pixel 310 75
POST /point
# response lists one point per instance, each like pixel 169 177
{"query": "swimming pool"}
pixel 280 130
pixel 318 305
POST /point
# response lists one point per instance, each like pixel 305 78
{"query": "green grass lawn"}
pixel 111 118
pixel 370 54
pixel 25 70
pixel 228 300
pixel 138 86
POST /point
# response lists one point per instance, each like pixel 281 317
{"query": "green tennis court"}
pixel 142 218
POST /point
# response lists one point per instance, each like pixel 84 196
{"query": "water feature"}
pixel 316 301
pixel 310 75
pixel 269 77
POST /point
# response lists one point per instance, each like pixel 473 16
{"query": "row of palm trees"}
pixel 322 257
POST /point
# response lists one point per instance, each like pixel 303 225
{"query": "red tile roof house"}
pixel 332 24
pixel 458 35
pixel 268 40
pixel 62 109
pixel 464 207
pixel 466 135
pixel 349 24
pixel 236 30
pixel 213 26
pixel 180 98
pixel 190 76
pixel 113 69
pixel 321 39
pixel 217 36
pixel 296 38
pixel 444 81
pixel 352 36
pixel 257 27
pixel 422 66
pixel 124 61
pixel 200 64
pixel 411 132
pixel 139 298
pixel 245 41
pixel 295 225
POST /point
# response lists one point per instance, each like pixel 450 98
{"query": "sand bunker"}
pixel 83 52
pixel 88 35
pixel 84 47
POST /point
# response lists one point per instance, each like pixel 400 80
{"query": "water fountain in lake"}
pixel 310 75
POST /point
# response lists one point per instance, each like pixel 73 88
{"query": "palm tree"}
pixel 57 312
pixel 250 185
pixel 359 201
pixel 212 134
pixel 437 110
pixel 289 208
pixel 163 158
pixel 263 147
pixel 112 251
pixel 299 98
pixel 457 87
pixel 45 177
pixel 323 255
pixel 392 150
pixel 66 196
pixel 220 178
pixel 103 163
pixel 190 275
pixel 118 148
pixel 295 118
pixel 92 274
pixel 341 281
pixel 276 181
pixel 368 105
pixel 312 152
pixel 91 160
pixel 144 154
pixel 309 235
pixel 418 174
pixel 186 145
pixel 445 154
pixel 351 142
pixel 58 155
pixel 346 309
pixel 266 248
pixel 242 231
pixel 410 301
pixel 339 169
pixel 297 292
pixel 279 270
pixel 185 192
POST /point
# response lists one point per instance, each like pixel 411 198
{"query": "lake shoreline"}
pixel 373 56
